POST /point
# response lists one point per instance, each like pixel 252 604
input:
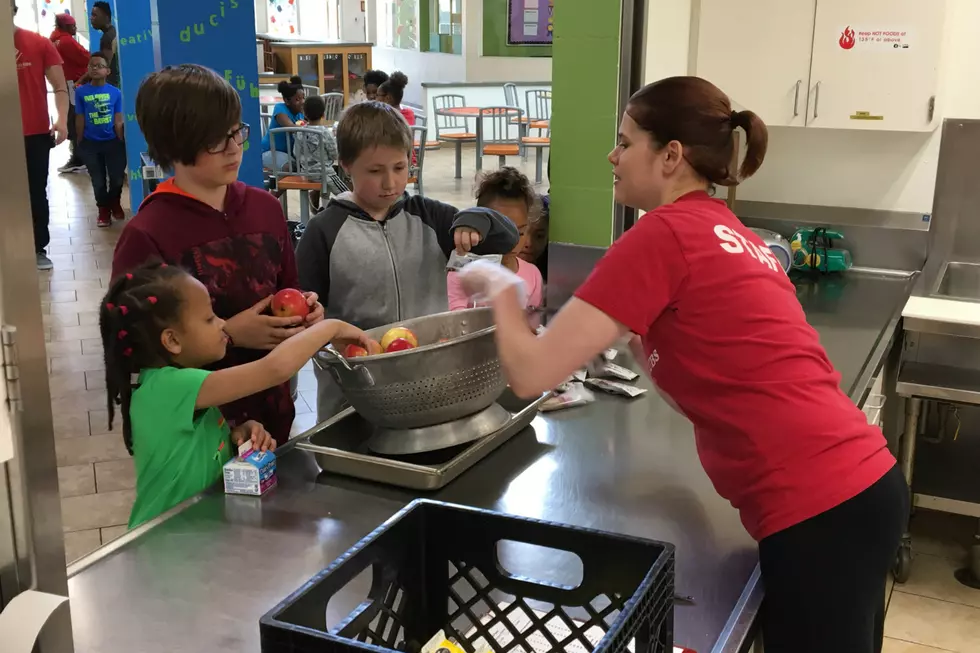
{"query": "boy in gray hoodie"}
pixel 376 255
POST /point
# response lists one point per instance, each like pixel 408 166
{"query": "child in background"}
pixel 377 255
pixel 230 236
pixel 509 192
pixel 99 128
pixel 536 246
pixel 158 325
pixel 373 79
pixel 287 113
pixel 393 92
pixel 316 155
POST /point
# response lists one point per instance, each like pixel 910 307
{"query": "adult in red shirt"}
pixel 76 66
pixel 37 60
pixel 720 330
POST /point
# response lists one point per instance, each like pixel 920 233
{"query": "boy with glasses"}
pixel 99 128
pixel 230 236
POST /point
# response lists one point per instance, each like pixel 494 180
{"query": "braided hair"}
pixel 137 308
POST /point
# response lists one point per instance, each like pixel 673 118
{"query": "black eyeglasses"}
pixel 239 135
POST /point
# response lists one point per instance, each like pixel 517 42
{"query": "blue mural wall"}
pixel 219 34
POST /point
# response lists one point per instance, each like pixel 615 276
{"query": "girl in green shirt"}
pixel 158 332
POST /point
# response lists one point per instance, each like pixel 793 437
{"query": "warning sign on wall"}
pixel 857 38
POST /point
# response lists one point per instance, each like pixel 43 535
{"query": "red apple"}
pixel 397 333
pixel 398 344
pixel 354 351
pixel 290 302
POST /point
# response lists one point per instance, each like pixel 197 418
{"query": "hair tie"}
pixel 163 265
pixel 152 299
pixel 129 276
pixel 122 333
pixel 123 309
pixel 109 306
pixel 128 351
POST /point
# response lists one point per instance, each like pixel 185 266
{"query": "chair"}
pixel 538 104
pixel 418 158
pixel 290 178
pixel 510 95
pixel 422 121
pixel 265 118
pixel 335 106
pixel 457 126
pixel 311 90
pixel 493 134
pixel 538 143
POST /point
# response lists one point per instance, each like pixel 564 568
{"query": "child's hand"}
pixel 253 330
pixel 254 432
pixel 348 334
pixel 316 308
pixel 465 238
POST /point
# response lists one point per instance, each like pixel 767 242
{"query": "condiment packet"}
pixel 603 368
pixel 459 261
pixel 442 644
pixel 610 354
pixel 577 375
pixel 576 395
pixel 615 388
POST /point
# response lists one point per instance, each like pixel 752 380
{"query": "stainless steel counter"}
pixel 199 579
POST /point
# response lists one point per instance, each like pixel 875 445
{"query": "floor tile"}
pixel 95 380
pixel 932 622
pixel 81 543
pixel 64 347
pixel 93 449
pixel 76 480
pixel 77 363
pixel 60 320
pixel 112 533
pixel 115 475
pixel 898 646
pixel 99 422
pixel 932 576
pixel 70 424
pixel 97 510
pixel 80 401
pixel 92 346
pixel 942 534
pixel 75 333
pixel 66 384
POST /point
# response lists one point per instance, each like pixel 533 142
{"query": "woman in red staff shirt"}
pixel 723 336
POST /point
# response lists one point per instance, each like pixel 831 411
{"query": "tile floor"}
pixel 929 614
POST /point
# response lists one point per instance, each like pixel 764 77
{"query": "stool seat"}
pixel 457 137
pixel 536 140
pixel 296 182
pixel 501 150
pixel 539 124
pixel 433 145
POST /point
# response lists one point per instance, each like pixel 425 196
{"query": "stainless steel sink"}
pixel 960 281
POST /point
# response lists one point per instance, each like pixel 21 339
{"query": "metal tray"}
pixel 340 446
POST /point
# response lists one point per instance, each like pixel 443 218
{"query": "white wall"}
pixel 261 17
pixel 420 67
pixel 313 22
pixel 352 21
pixel 876 170
pixel 495 69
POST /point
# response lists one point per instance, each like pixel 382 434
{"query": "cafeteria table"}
pixel 465 137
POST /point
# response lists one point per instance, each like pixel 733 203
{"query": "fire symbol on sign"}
pixel 847 40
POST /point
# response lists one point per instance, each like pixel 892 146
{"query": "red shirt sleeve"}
pixel 134 249
pixel 75 54
pixel 639 276
pixel 49 54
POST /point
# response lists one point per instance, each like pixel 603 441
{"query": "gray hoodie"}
pixel 370 273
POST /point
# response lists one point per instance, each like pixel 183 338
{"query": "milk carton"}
pixel 251 472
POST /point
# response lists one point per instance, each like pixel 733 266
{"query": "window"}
pixel 398 24
pixel 283 18
pixel 445 26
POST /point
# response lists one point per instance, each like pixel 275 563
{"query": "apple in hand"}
pixel 354 351
pixel 290 302
pixel 397 333
pixel 399 344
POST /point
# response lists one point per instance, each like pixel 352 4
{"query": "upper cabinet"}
pixel 872 64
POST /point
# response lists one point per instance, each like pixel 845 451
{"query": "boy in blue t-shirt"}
pixel 99 125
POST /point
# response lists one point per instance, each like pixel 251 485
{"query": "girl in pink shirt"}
pixel 507 191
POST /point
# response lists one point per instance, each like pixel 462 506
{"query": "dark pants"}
pixel 38 150
pixel 825 577
pixel 106 163
pixel 72 135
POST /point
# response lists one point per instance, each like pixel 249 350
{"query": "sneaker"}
pixel 117 211
pixel 43 262
pixel 71 166
pixel 105 218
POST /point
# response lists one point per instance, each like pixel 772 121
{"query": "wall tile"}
pixel 76 480
pixel 97 510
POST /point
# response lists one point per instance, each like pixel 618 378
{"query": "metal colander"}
pixel 435 383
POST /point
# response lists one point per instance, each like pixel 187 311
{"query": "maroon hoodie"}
pixel 241 255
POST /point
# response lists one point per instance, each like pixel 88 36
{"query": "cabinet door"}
pixel 758 52
pixel 875 64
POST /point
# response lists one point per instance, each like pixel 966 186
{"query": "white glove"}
pixel 483 280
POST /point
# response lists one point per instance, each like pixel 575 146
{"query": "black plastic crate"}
pixel 423 580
